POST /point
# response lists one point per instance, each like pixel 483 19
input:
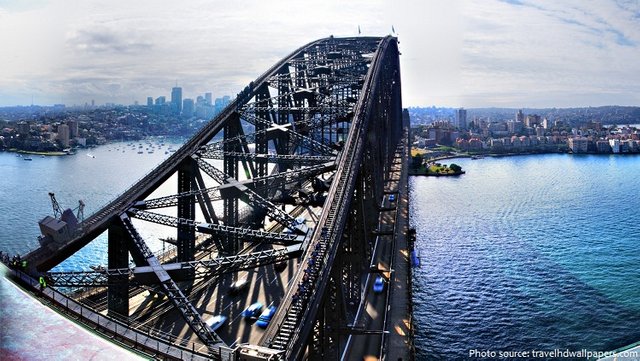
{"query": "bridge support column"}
pixel 186 210
pixel 232 129
pixel 118 257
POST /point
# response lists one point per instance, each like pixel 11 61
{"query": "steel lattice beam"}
pixel 293 322
pixel 204 268
pixel 272 158
pixel 253 198
pixel 179 300
pixel 213 193
pixel 219 229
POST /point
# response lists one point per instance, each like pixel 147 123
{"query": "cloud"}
pixel 554 50
pixel 105 40
pixel 459 52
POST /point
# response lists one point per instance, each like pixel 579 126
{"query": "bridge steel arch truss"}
pixel 338 255
pixel 331 109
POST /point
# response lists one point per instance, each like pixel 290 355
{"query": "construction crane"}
pixel 80 211
pixel 57 211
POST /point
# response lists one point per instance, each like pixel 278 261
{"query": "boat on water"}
pixel 415 259
pixel 27 158
pixel 477 156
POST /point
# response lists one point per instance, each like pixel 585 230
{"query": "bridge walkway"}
pixel 400 326
pixel 117 332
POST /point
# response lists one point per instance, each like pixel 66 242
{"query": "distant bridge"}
pixel 295 173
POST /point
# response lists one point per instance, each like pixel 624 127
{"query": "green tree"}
pixel 416 161
pixel 456 168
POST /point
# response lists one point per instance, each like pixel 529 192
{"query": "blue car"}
pixel 265 317
pixel 378 284
pixel 252 311
pixel 392 198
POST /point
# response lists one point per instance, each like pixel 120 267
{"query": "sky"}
pixel 457 53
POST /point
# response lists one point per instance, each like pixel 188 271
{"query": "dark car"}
pixel 280 266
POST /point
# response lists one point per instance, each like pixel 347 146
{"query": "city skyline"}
pixel 459 54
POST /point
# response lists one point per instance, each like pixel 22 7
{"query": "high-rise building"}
pixel 532 120
pixel 63 134
pixel 176 100
pixel 149 101
pixel 161 100
pixel 73 128
pixel 461 118
pixel 208 98
pixel 514 126
pixel 187 107
pixel 520 116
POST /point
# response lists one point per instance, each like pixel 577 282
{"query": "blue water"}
pixel 527 253
pixel 95 176
pixel 520 253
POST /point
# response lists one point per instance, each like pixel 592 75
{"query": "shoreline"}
pixel 500 155
pixel 47 154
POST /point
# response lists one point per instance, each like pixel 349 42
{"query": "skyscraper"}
pixel 208 98
pixel 149 101
pixel 461 118
pixel 187 108
pixel 176 100
pixel 73 128
pixel 63 134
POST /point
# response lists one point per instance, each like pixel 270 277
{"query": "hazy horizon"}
pixel 463 53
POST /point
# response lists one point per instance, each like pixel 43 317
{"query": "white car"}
pixel 216 322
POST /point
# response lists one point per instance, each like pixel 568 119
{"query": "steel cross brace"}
pixel 218 229
pixel 290 176
pixel 273 158
pixel 303 140
pixel 254 198
pixel 208 268
pixel 179 300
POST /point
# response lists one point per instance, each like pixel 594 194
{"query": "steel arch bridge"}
pixel 292 173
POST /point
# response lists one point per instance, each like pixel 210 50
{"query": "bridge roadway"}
pixel 384 318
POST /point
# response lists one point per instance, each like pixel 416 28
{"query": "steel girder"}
pixel 247 234
pixel 269 157
pixel 179 300
pixel 43 259
pixel 252 197
pixel 213 193
pixel 201 269
pixel 290 327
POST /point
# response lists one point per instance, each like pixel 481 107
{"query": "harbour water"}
pixel 520 253
pixel 95 176
pixel 527 253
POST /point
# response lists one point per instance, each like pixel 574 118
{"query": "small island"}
pixel 420 167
